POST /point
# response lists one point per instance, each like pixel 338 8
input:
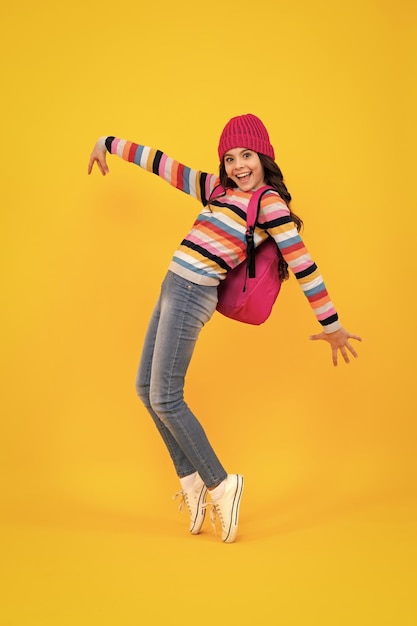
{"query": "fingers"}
pixel 351 350
pixel 98 156
pixel 102 167
pixel 315 337
pixel 101 164
pixel 339 341
pixel 345 354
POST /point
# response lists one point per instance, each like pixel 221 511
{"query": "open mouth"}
pixel 243 177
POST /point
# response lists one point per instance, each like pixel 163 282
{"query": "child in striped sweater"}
pixel 188 297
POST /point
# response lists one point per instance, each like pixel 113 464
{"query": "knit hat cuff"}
pixel 245 131
pixel 243 141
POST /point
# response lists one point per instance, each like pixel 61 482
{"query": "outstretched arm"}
pixel 276 217
pixel 339 340
pixel 195 183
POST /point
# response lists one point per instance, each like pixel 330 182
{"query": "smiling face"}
pixel 244 168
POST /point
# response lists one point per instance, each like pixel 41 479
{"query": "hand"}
pixel 98 156
pixel 339 340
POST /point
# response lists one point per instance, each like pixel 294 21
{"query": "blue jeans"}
pixel 182 310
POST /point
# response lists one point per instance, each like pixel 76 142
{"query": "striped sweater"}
pixel 216 242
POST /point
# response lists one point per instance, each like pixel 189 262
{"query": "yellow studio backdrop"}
pixel 328 519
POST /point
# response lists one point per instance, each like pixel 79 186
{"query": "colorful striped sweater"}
pixel 216 242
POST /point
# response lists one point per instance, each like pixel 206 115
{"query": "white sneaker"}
pixel 227 507
pixel 194 499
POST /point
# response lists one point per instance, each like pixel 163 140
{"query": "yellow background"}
pixel 328 520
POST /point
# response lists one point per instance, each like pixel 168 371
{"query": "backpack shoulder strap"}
pixel 251 217
pixel 254 205
pixel 217 191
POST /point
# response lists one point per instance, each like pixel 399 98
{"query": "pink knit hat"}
pixel 245 131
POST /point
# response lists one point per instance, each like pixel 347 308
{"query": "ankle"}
pixel 188 481
pixel 217 492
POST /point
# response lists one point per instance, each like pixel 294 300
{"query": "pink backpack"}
pixel 249 291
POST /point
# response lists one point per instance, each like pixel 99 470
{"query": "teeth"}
pixel 242 175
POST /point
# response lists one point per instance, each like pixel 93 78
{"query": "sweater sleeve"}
pixel 195 183
pixel 275 218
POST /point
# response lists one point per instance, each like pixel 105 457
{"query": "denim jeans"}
pixel 182 310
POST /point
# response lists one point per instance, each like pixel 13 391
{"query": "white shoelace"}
pixel 214 509
pixel 184 500
pixel 214 512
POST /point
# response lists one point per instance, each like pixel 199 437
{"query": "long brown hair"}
pixel 273 177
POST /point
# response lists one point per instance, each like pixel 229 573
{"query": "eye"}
pixel 247 155
pixel 228 159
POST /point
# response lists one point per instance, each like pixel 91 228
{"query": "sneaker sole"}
pixel 231 535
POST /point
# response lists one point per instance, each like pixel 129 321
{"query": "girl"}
pixel 188 296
